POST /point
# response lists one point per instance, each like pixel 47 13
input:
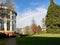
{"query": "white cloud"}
pixel 25 18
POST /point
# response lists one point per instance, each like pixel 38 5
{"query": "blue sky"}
pixel 29 9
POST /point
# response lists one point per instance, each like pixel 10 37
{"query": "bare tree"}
pixel 10 4
pixel 1 2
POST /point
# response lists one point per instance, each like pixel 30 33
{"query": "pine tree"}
pixel 53 18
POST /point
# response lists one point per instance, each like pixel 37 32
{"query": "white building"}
pixel 7 20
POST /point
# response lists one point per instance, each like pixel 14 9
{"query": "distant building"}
pixel 43 25
pixel 7 19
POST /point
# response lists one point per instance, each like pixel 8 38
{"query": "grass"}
pixel 46 35
pixel 3 41
pixel 41 39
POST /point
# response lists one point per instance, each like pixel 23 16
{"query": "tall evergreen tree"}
pixel 53 18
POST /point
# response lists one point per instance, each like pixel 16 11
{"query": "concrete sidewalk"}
pixel 12 41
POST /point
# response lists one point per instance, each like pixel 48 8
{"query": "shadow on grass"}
pixel 38 41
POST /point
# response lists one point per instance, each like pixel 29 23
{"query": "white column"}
pixel 5 24
pixel 0 26
pixel 10 20
pixel 10 25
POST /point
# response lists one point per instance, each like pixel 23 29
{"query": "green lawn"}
pixel 41 39
pixel 3 41
pixel 46 35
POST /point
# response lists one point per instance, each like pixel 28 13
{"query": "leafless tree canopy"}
pixel 7 3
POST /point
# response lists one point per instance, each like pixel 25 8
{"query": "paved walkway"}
pixel 12 41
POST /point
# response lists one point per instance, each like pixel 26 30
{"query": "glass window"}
pixel 13 22
pixel 8 25
pixel 1 24
pixel 8 16
pixel 14 17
